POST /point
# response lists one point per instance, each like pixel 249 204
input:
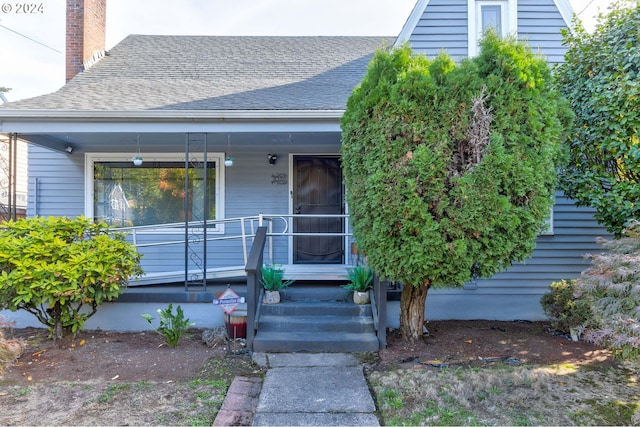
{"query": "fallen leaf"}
pixel 82 342
pixel 29 378
pixel 469 341
pixel 38 353
pixel 116 377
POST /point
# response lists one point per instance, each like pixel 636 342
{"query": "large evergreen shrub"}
pixel 450 169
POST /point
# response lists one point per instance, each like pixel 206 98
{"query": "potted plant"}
pixel 273 281
pixel 360 280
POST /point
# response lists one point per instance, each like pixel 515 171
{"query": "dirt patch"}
pixel 478 342
pixel 113 378
pixel 105 378
pixel 501 373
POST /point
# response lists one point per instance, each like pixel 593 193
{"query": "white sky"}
pixel 31 69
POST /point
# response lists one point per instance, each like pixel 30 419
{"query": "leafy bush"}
pixel 60 269
pixel 562 307
pixel 599 78
pixel 10 348
pixel 611 287
pixel 172 326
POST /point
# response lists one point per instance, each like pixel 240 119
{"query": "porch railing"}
pixel 254 292
pixel 257 234
pixel 379 310
pixel 278 225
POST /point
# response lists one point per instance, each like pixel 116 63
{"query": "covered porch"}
pixel 186 206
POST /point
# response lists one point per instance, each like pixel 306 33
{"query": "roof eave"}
pixel 166 115
pixel 168 121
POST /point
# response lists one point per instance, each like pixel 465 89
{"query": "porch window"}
pixel 484 14
pixel 153 193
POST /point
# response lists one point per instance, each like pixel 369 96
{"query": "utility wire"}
pixel 586 7
pixel 29 38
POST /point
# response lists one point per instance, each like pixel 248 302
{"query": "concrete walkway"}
pixel 313 389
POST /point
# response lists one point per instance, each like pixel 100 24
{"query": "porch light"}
pixel 228 160
pixel 137 158
pixel 273 158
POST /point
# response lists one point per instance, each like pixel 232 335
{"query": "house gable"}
pixel 444 25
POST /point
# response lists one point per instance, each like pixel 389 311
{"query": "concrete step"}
pixel 315 342
pixel 329 323
pixel 315 318
pixel 303 292
pixel 312 308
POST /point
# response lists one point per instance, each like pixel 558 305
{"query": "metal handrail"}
pixel 379 308
pixel 260 229
pixel 252 221
pixel 253 270
pixel 164 228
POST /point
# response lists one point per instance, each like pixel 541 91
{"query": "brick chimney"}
pixel 86 30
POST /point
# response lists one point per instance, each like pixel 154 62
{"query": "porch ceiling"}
pixel 168 141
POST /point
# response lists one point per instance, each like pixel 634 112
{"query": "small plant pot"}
pixel 575 334
pixel 271 297
pixel 361 297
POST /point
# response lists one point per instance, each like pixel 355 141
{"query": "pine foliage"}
pixel 451 169
pixel 611 288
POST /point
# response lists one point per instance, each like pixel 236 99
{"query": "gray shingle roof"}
pixel 148 72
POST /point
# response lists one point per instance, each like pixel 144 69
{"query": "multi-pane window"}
pixel 154 193
pixel 491 17
pixel 484 14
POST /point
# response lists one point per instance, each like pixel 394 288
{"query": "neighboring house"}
pixel 13 176
pixel 274 105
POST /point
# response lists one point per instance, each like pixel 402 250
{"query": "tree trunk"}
pixel 412 304
pixel 56 315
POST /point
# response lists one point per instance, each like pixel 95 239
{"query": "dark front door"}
pixel 317 189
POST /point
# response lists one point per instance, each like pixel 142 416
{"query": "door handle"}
pixel 298 209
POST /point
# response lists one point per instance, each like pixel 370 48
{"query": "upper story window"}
pixel 500 15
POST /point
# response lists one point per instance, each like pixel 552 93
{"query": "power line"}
pixel 29 38
pixel 586 7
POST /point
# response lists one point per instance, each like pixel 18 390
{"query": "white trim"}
pixel 169 126
pixel 126 115
pixel 411 23
pixel 550 231
pixel 566 10
pixel 91 158
pixel 509 9
pixel 142 121
pixel 291 186
pixel 290 238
